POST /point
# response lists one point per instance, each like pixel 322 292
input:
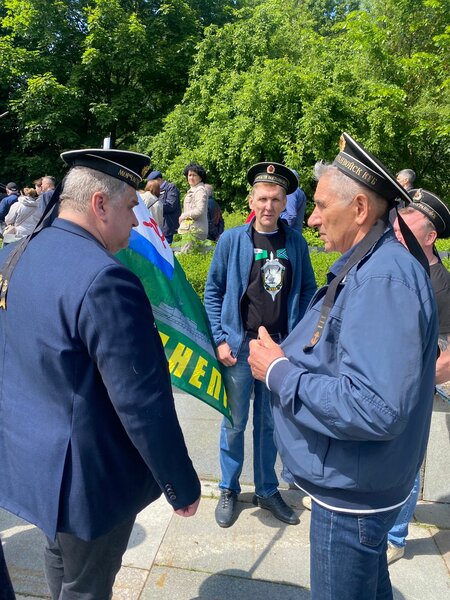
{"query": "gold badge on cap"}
pixel 271 169
pixel 342 143
pixel 144 171
pixel 417 196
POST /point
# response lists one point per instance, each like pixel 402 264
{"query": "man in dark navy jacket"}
pixel 89 434
pixel 170 199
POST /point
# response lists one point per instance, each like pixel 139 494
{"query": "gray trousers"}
pixel 79 570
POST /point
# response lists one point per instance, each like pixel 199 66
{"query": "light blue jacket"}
pixel 229 276
pixel 352 415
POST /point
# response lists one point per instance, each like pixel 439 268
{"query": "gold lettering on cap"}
pixel 129 176
pixel 369 178
pixel 350 165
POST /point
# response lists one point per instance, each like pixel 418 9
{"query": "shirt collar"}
pixel 337 266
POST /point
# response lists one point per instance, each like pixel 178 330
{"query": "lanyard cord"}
pixel 360 252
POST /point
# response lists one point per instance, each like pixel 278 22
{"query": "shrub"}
pixel 312 237
pixel 196 267
pixel 234 219
pixel 321 263
pixel 443 245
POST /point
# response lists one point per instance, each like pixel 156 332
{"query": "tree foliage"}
pixel 74 71
pixel 226 83
pixel 287 77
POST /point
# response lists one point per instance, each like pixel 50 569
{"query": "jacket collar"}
pixel 71 227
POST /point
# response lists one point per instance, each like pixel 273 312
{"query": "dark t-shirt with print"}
pixel 265 301
pixel 440 280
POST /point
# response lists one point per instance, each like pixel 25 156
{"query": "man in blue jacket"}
pixel 260 274
pixel 352 385
pixel 170 198
pixel 294 213
pixel 12 195
pixel 88 432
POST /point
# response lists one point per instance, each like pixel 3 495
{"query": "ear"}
pixel 361 208
pixel 98 205
pixel 431 238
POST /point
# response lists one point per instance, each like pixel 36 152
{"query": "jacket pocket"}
pixel 319 455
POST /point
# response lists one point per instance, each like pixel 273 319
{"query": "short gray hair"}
pixel 49 179
pixel 407 174
pixel 81 183
pixel 347 188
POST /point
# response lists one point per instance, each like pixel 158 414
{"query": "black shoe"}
pixel 226 508
pixel 277 507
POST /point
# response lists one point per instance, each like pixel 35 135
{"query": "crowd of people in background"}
pixel 200 216
pixel 21 210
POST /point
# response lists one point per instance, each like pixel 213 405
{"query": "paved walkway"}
pixel 171 558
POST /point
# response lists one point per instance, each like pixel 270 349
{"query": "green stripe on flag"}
pixel 183 326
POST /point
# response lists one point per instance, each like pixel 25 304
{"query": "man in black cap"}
pixel 428 218
pixel 352 385
pixel 12 195
pixel 170 198
pixel 260 274
pixel 89 433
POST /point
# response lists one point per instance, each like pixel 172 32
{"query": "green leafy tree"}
pixel 74 71
pixel 286 78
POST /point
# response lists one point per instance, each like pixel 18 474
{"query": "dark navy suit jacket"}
pixel 88 430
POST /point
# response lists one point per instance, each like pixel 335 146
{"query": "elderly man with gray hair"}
pixel 352 385
pixel 406 178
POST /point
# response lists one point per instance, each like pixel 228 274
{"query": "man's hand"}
pixel 443 362
pixel 224 355
pixel 188 511
pixel 263 352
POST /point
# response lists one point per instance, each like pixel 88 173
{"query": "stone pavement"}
pixel 188 559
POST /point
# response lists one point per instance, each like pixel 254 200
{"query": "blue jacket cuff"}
pixel 277 375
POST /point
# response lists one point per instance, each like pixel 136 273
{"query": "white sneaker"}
pixel 394 552
pixel 306 501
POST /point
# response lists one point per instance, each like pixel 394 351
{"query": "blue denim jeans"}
pixel 240 385
pixel 348 555
pixel 399 531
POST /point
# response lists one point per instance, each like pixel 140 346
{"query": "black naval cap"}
pixel 271 172
pixel 359 164
pixel 127 166
pixel 433 208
